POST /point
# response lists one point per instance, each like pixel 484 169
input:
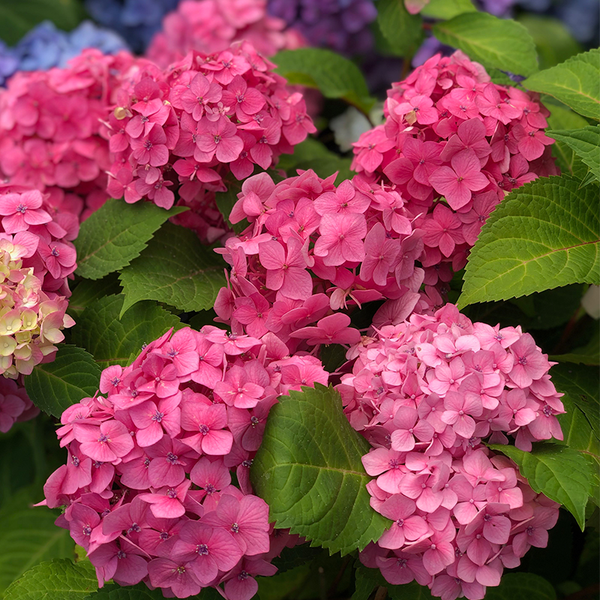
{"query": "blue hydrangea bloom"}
pixel 342 25
pixel 8 62
pixel 45 47
pixel 136 20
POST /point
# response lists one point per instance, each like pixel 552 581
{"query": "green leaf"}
pixel 564 118
pixel 447 9
pixel 55 580
pixel 369 579
pixel 521 586
pixel 309 149
pixel 286 584
pixel 311 154
pixel 225 202
pixel 402 31
pixel 113 340
pixel 29 536
pixel 18 18
pixel 309 470
pixel 87 291
pixel 116 234
pixel 553 40
pixel 55 386
pixel 205 317
pixel 290 558
pixel 587 355
pixel 543 235
pixel 562 474
pixel 142 592
pixel 549 309
pixel 334 75
pixel 500 43
pixel 584 142
pixel 175 269
pixel 136 592
pixel 579 384
pixel 574 82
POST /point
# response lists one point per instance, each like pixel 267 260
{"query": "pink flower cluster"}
pixel 147 485
pixel 454 144
pixel 426 393
pixel 312 249
pixel 51 129
pixel 15 404
pixel 47 235
pixel 36 257
pixel 213 25
pixel 202 118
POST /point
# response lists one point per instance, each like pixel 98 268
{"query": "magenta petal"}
pixel 217 442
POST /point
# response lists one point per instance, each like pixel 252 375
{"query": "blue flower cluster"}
pixel 136 20
pixel 342 25
pixel 45 47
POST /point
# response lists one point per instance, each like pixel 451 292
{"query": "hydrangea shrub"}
pixel 328 376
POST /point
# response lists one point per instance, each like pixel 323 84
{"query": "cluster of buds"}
pixel 426 394
pixel 148 487
pixel 213 25
pixel 454 144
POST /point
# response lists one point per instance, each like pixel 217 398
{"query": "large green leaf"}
pixel 175 269
pixel 543 235
pixel 549 309
pixel 366 580
pixel 334 75
pixel 584 142
pixel 499 43
pixel 29 536
pixel 521 586
pixel 287 584
pixel 559 472
pixel 447 9
pixel 564 118
pixel 586 355
pixel 401 30
pixel 87 291
pixel 574 82
pixel 553 40
pixel 309 470
pixel 113 340
pixel 136 592
pixel 116 234
pixel 579 384
pixel 18 18
pixel 55 386
pixel 55 580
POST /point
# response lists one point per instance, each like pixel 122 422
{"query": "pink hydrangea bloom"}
pixel 454 144
pixel 427 393
pixel 312 250
pixel 164 510
pixel 53 133
pixel 34 286
pixel 213 25
pixel 183 130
